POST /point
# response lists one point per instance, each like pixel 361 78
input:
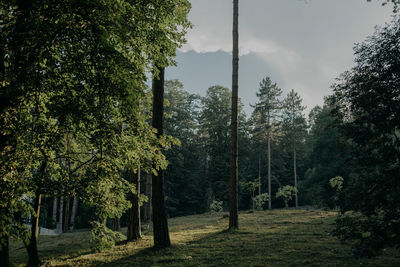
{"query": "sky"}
pixel 300 44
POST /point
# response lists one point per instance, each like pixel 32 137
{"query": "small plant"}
pixel 260 200
pixel 286 193
pixel 103 237
pixel 216 206
pixel 336 183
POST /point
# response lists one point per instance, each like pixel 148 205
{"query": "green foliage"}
pixel 73 98
pixel 286 193
pixel 103 237
pixel 336 183
pixel 369 103
pixel 260 201
pixel 216 206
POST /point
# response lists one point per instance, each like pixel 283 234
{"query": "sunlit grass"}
pixel 265 238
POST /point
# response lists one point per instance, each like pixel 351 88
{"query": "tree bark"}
pixel 4 250
pixel 61 211
pixel 32 246
pixel 74 210
pixel 233 192
pixel 54 215
pixel 66 214
pixel 147 205
pixel 269 172
pixel 4 254
pixel 134 227
pixel 160 222
pixel 295 176
pixel 259 174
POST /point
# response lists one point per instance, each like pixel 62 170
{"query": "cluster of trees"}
pixel 271 143
pixel 74 108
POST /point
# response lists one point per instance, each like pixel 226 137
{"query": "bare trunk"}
pixel 54 215
pixel 269 172
pixel 259 174
pixel 32 246
pixel 160 222
pixel 233 192
pixel 147 205
pixel 74 210
pixel 66 214
pixel 134 227
pixel 295 176
pixel 61 213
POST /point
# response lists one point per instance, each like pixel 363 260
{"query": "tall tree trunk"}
pixel 134 227
pixel 74 210
pixel 233 192
pixel 269 172
pixel 66 214
pixel 160 222
pixel 54 215
pixel 4 250
pixel 60 213
pixel 295 175
pixel 147 205
pixel 259 173
pixel 4 253
pixel 32 246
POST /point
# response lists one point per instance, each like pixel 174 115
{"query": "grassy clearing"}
pixel 265 238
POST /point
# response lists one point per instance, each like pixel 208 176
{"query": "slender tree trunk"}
pixel 66 214
pixel 74 210
pixel 295 176
pixel 233 192
pixel 61 213
pixel 134 227
pixel 259 174
pixel 32 246
pixel 147 205
pixel 4 101
pixel 269 172
pixel 54 215
pixel 160 222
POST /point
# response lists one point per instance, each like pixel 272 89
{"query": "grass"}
pixel 265 238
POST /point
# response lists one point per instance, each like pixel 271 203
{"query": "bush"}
pixel 287 193
pixel 103 237
pixel 216 206
pixel 260 201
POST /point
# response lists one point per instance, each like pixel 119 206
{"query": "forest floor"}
pixel 266 238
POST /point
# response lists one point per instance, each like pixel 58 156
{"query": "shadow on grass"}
pixel 288 243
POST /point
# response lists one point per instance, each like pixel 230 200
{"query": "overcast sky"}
pixel 300 44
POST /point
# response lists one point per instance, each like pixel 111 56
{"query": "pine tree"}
pixel 294 127
pixel 266 119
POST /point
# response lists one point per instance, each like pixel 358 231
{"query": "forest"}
pixel 98 148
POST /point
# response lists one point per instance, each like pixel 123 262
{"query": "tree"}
pixel 185 176
pixel 233 180
pixel 327 155
pixel 266 114
pixel 294 127
pixel 215 135
pixel 160 222
pixel 368 97
pixel 77 69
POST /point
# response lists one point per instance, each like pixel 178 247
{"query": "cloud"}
pixel 303 45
